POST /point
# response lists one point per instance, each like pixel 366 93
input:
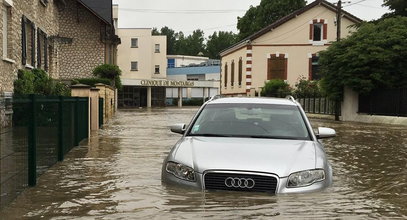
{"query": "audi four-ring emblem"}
pixel 239 182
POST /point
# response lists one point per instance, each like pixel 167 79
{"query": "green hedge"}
pixel 91 81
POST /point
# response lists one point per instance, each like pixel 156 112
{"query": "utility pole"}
pixel 338 20
pixel 338 38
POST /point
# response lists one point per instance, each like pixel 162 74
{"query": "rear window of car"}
pixel 251 120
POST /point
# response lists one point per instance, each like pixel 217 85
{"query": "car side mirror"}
pixel 178 128
pixel 325 133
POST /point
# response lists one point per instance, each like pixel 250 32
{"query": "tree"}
pixel 109 71
pixel 218 42
pixel 191 45
pixel 373 57
pixel 399 7
pixel 264 14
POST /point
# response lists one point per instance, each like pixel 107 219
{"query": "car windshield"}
pixel 250 120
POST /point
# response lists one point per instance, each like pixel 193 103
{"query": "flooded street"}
pixel 118 176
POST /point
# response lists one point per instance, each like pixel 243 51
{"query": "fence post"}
pixel 314 109
pixel 32 143
pixel 60 129
pixel 76 121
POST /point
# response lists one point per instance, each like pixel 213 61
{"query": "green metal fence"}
pixel 43 130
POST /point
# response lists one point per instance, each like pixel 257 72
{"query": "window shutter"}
pixel 232 72
pixel 32 44
pixel 311 30
pixel 23 41
pixel 277 68
pixel 39 35
pixel 45 52
pixel 310 69
pixel 325 34
pixel 226 75
pixel 240 71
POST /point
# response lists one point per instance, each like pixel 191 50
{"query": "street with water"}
pixel 117 175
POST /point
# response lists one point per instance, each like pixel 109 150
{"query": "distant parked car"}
pixel 249 144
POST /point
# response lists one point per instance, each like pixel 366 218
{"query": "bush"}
pixel 111 72
pixel 25 83
pixel 37 81
pixel 307 88
pixel 373 57
pixel 276 88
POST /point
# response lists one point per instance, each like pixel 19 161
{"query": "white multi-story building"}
pixel 142 58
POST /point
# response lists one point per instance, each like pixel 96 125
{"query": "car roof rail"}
pixel 290 97
pixel 215 97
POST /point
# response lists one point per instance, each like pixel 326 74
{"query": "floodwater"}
pixel 117 176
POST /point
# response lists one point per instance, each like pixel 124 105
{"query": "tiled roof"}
pixel 193 70
pixel 101 8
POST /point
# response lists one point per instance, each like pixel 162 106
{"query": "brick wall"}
pixel 44 17
pixel 86 50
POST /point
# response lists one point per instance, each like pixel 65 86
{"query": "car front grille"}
pixel 240 182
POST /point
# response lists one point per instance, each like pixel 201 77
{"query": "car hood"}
pixel 280 157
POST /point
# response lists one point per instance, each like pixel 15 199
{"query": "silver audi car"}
pixel 249 144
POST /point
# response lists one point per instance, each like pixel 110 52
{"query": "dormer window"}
pixel 318 31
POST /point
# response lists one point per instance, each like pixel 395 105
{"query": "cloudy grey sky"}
pixel 210 15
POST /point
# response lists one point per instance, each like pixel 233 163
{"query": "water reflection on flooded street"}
pixel 118 176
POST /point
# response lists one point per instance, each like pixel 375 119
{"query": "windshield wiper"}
pixel 210 135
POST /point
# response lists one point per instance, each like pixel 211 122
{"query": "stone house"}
pixel 286 49
pixel 66 38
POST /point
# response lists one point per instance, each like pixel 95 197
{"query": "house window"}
pixel 134 66
pixel 28 42
pixel 232 73
pixel 314 68
pixel 157 69
pixel 318 30
pixel 277 67
pixel 134 42
pixel 240 71
pixel 6 16
pixel 157 48
pixel 171 63
pixel 226 75
pixel 42 52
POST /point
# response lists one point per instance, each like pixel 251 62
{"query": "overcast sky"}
pixel 211 15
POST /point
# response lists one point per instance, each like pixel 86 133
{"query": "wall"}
pixel 109 96
pixel 235 56
pixel 350 106
pixel 144 54
pixel 44 17
pixel 159 58
pixel 86 50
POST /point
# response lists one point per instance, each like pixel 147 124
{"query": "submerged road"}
pixel 117 176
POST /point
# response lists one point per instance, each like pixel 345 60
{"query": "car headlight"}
pixel 305 178
pixel 181 171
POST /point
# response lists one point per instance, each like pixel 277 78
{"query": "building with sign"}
pixel 142 58
pixel 206 73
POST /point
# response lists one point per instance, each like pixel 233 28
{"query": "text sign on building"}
pixel 168 83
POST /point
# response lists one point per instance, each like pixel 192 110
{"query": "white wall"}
pixel 350 108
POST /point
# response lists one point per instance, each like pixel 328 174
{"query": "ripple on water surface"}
pixel 117 175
